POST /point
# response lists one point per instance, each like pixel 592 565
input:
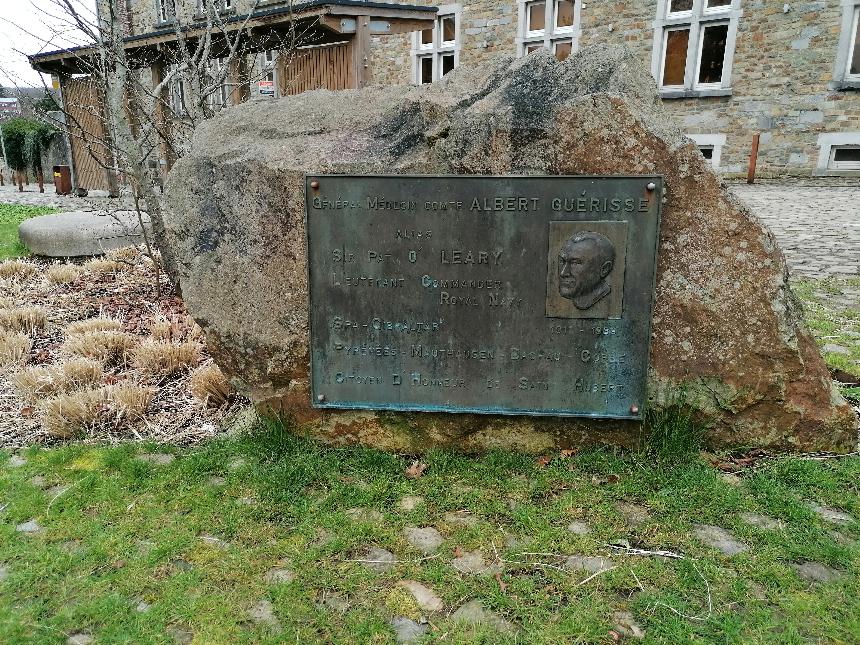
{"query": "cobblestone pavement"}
pixel 818 227
pixel 32 197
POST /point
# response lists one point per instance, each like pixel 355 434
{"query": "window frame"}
pixel 697 20
pixel 832 164
pixel 853 45
pixel 828 143
pixel 550 35
pixel 437 49
pixel 716 142
pixel 163 14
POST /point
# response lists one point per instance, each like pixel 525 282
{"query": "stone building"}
pixel 726 68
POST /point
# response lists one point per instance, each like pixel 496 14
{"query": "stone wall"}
pixel 783 67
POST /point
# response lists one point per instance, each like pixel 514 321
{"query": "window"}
pixel 553 24
pixel 177 93
pixel 844 158
pixel 436 50
pixel 694 44
pixel 838 153
pixel 854 47
pixel 711 146
pixel 220 96
pixel 268 73
pixel 166 10
pixel 218 5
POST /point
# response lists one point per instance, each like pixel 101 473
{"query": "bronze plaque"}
pixel 498 295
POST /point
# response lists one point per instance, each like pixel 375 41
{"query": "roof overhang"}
pixel 321 21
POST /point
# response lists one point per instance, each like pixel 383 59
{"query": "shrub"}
pixel 102 266
pixel 93 324
pixel 63 273
pixel 14 348
pixel 70 414
pixel 209 385
pixel 164 358
pixel 107 347
pixel 24 319
pixel 16 270
pixel 48 380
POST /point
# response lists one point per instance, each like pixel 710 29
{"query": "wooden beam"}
pixel 361 52
pixel 347 25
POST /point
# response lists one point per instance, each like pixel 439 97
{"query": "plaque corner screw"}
pixel 315 183
pixel 651 186
pixel 320 397
pixel 634 409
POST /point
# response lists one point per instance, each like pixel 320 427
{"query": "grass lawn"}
pixel 256 539
pixel 10 216
pixel 832 311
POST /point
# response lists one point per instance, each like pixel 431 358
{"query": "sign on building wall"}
pixel 266 88
pixel 505 295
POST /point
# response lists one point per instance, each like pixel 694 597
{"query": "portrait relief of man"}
pixel 585 261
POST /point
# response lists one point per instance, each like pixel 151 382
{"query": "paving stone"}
pixel 833 348
pixel 38 481
pixel 625 624
pixel 730 479
pixel 335 602
pixel 141 606
pixel 263 613
pixel 237 463
pixel 407 630
pixel 31 526
pixel 592 564
pixel 4 572
pixel 579 528
pixel 56 491
pixel 365 515
pixel 409 503
pixel 157 458
pixel 182 565
pixel 182 634
pixel 80 638
pixel 246 501
pixel 762 521
pixel 633 513
pixel 474 613
pixel 831 514
pixel 216 481
pixel 460 517
pixel 378 560
pixel 424 596
pixel 72 546
pixel 278 576
pixel 817 572
pixel 473 563
pixel 15 461
pixel 719 538
pixel 426 539
pixel 144 547
pixel 214 541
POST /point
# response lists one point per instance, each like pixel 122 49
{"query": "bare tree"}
pixel 153 101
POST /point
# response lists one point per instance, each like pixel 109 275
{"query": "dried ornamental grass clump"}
pixel 16 270
pixel 93 324
pixel 68 415
pixel 107 347
pixel 14 348
pixel 23 319
pixel 128 401
pixel 164 358
pixel 161 330
pixel 49 380
pixel 125 254
pixel 63 273
pixel 209 385
pixel 102 266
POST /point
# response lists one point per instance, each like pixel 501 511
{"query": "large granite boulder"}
pixel 728 340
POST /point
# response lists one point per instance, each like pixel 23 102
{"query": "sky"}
pixel 31 26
